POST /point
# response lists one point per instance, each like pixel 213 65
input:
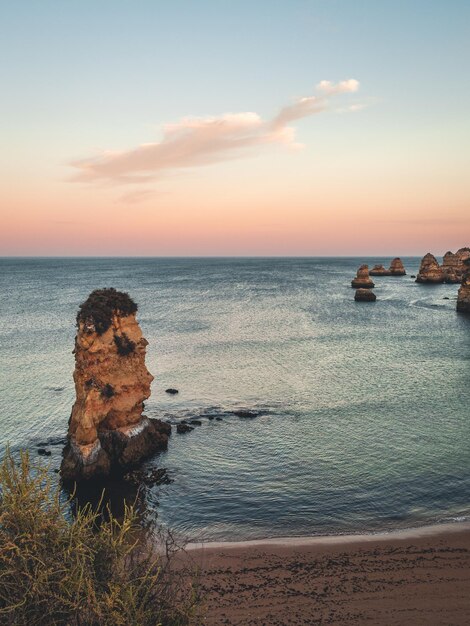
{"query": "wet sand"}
pixel 417 577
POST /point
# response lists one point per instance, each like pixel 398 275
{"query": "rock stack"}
pixel 397 268
pixel 364 295
pixel 107 431
pixel 458 262
pixel 430 271
pixel 463 298
pixel 379 270
pixel 452 268
pixel 362 279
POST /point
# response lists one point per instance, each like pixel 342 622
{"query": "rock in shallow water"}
pixel 365 295
pixel 171 391
pixel 184 428
pixel 246 413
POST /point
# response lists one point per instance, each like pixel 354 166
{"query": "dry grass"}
pixel 80 573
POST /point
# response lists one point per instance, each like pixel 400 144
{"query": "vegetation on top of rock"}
pixel 100 306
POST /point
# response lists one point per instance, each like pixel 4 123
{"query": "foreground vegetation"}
pixel 79 572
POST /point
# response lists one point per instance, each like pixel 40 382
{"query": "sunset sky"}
pixel 321 127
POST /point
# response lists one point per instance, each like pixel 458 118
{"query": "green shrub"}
pixel 77 572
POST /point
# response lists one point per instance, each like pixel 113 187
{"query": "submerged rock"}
pixel 397 268
pixel 149 477
pixel 429 270
pixel 107 430
pixel 463 297
pixel 246 413
pixel 379 270
pixel 183 428
pixel 365 295
pixel 362 278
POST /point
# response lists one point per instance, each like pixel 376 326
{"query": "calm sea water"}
pixel 365 419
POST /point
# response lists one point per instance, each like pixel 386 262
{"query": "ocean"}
pixel 364 408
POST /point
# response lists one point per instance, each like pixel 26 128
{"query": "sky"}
pixel 274 127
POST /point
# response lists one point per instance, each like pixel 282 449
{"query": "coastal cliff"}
pixel 107 429
pixel 463 297
pixel 452 269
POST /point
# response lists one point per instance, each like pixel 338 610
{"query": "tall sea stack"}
pixel 463 298
pixel 362 279
pixel 397 268
pixel 429 270
pixel 107 431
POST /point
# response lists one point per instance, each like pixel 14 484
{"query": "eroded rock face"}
pixel 362 278
pixel 107 430
pixel 463 297
pixel 365 295
pixel 397 268
pixel 430 271
pixel 452 268
pixel 379 270
pixel 464 255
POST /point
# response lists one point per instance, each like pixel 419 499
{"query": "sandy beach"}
pixel 412 577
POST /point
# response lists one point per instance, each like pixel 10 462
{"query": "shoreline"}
pixel 413 532
pixel 407 577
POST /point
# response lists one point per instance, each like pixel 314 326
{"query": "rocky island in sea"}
pixel 107 429
pixel 452 269
pixel 397 268
pixel 379 270
pixel 362 279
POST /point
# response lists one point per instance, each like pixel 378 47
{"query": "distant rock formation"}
pixel 107 431
pixel 463 297
pixel 429 270
pixel 365 295
pixel 451 271
pixel 362 278
pixel 452 268
pixel 463 254
pixel 379 270
pixel 397 268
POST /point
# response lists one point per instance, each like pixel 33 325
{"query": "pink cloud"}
pixel 195 141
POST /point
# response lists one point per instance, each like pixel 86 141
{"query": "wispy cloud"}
pixel 196 141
